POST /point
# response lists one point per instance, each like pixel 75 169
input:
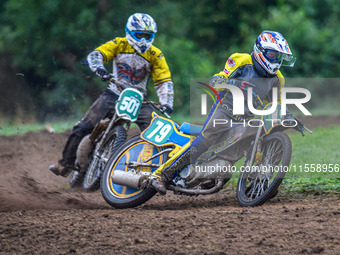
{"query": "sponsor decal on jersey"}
pixel 160 56
pixel 226 71
pixel 231 62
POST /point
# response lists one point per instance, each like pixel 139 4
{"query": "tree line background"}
pixel 43 42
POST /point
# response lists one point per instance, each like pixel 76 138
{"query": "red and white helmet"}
pixel 271 50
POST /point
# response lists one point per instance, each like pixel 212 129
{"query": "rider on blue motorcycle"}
pixel 135 59
pixel 261 70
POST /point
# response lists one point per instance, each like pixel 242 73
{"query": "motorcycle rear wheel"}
pixel 115 138
pixel 257 184
pixel 137 150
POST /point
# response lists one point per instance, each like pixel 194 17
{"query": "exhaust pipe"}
pixel 129 179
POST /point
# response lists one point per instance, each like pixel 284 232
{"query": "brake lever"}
pixel 305 128
pixel 157 107
pixel 166 115
pixel 161 110
pixel 309 131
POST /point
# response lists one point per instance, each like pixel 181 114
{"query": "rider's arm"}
pixel 232 69
pixel 165 93
pixel 161 77
pixel 280 84
pixel 104 53
pixel 95 60
pixel 235 63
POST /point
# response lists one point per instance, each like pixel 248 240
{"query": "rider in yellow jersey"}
pixel 260 69
pixel 135 59
pixel 133 68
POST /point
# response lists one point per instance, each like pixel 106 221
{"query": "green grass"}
pixel 312 185
pixel 14 129
pixel 321 148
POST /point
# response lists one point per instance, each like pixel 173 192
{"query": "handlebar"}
pixel 157 107
pixel 154 104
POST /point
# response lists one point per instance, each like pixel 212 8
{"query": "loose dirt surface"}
pixel 40 214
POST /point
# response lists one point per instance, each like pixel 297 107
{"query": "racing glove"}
pixel 103 74
pixel 167 108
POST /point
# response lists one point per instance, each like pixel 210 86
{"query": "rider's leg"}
pixel 185 156
pixel 191 151
pixel 144 116
pixel 94 115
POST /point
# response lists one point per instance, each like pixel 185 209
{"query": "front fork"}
pixel 255 153
pixel 256 174
pixel 96 153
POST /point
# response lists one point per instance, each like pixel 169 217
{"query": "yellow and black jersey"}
pixel 243 66
pixel 134 69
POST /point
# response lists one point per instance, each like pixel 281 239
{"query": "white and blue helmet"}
pixel 140 31
pixel 271 50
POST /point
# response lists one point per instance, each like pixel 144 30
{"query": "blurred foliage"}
pixel 44 42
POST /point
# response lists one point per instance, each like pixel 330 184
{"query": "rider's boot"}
pixel 158 185
pixel 59 169
pixel 186 155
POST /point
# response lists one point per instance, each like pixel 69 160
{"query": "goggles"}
pixel 278 57
pixel 140 35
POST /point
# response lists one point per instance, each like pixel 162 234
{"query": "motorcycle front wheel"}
pixel 133 150
pixel 115 138
pixel 259 183
pixel 76 178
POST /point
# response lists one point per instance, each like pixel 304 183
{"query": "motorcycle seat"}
pixel 190 129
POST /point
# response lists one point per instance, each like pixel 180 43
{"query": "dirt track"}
pixel 40 214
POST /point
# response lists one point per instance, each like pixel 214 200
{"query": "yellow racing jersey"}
pixel 133 69
pixel 243 66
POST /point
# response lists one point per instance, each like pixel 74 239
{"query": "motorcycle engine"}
pixel 204 174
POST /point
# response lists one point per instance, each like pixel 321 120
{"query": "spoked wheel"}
pixel 133 150
pixel 76 179
pixel 92 177
pixel 258 183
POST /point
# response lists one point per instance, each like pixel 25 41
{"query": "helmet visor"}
pixel 288 60
pixel 274 56
pixel 140 35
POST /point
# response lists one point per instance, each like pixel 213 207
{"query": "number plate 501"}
pixel 129 104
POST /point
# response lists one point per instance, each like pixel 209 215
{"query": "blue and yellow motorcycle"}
pixel 266 150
